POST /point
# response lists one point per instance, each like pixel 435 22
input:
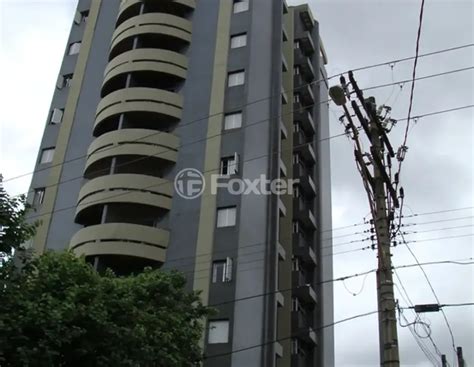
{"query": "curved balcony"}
pixel 139 100
pixel 159 24
pixel 132 142
pixel 171 65
pixel 122 239
pixel 130 8
pixel 124 188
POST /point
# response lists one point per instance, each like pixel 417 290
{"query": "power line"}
pixel 254 102
pixel 167 182
pixel 259 157
pixel 437 212
pixel 288 337
pixel 418 37
pixel 419 78
pixel 408 301
pixel 208 171
pixel 457 304
pixel 404 216
pixel 439 238
pixel 438 229
pixel 205 139
pixel 165 150
pixel 342 278
pixel 257 244
pixel 406 233
pixel 432 290
pixel 437 221
pixel 410 58
pixel 439 112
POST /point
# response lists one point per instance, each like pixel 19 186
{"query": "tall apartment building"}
pixel 148 88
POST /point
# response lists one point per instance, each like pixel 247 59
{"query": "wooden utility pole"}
pixel 382 199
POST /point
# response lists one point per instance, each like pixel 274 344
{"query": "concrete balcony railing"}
pixel 302 250
pixel 152 23
pixel 305 120
pixel 127 189
pixel 306 182
pixel 147 60
pixel 307 96
pixel 303 146
pixel 306 44
pixel 132 142
pixel 303 289
pixel 130 8
pixel 139 100
pixel 307 69
pixel 123 239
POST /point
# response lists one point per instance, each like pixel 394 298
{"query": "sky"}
pixel 437 174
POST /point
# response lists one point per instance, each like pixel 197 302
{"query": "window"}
pixel 294 346
pixel 233 120
pixel 296 227
pixel 81 17
pixel 226 217
pixel 218 332
pixel 84 16
pixel 67 80
pixel 239 40
pixel 295 304
pixel 296 70
pixel 230 165
pixel 241 6
pixel 64 81
pixel 296 126
pixel 295 264
pixel 56 116
pixel 296 190
pixel 236 78
pixel 296 158
pixel 222 271
pixel 38 197
pixel 74 48
pixel 47 155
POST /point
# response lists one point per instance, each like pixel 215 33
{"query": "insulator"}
pixel 401 153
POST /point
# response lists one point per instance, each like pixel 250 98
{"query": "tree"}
pixel 14 229
pixel 58 311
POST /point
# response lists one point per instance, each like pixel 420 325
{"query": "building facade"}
pixel 237 88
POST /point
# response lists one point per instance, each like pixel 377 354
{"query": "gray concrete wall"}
pixel 250 316
pixel 325 223
pixel 62 225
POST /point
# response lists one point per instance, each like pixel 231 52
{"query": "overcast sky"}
pixel 437 174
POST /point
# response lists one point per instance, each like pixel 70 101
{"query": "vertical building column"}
pixel 45 215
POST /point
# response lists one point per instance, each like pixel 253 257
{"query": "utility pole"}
pixel 444 361
pixel 382 199
pixel 460 357
pixel 385 293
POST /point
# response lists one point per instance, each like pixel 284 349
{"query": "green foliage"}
pixel 14 230
pixel 58 311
